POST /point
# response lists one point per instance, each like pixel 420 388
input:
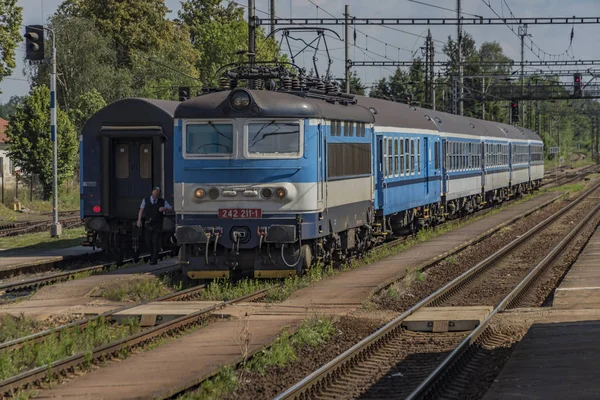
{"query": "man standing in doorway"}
pixel 152 209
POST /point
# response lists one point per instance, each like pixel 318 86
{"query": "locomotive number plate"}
pixel 235 213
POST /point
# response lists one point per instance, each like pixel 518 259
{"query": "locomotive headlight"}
pixel 213 193
pixel 200 193
pixel 266 193
pixel 240 100
pixel 280 193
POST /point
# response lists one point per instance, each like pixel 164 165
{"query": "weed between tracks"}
pixel 284 350
pixel 61 345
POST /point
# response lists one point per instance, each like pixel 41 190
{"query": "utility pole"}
pixel 427 78
pixel 251 37
pixel 431 69
pixel 459 59
pixel 483 98
pixel 272 10
pixel 597 136
pixel 56 227
pixel 34 40
pixel 522 34
pixel 347 48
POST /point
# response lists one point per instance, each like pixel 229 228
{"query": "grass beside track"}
pixel 22 244
pixel 284 350
pixel 61 345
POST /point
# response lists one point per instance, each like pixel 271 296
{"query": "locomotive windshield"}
pixel 274 138
pixel 209 139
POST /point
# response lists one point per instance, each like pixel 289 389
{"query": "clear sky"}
pixel 551 39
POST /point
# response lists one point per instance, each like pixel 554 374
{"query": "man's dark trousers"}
pixel 153 236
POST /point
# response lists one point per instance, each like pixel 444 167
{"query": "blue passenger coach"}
pixel 268 181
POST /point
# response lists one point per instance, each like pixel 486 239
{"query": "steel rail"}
pixel 362 348
pixel 40 336
pixel 16 382
pixel 429 384
pixel 63 276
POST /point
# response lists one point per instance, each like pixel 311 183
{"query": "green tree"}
pixel 8 109
pixel 158 72
pixel 220 34
pixel 10 35
pixel 131 25
pixel 86 60
pixel 356 85
pixel 30 145
pixel 381 90
pixel 84 107
pixel 416 80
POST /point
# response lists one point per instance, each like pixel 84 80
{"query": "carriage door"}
pixel 380 172
pixel 426 165
pixel 321 165
pixel 131 175
pixel 445 182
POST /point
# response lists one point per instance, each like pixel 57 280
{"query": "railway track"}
pixel 60 367
pixel 33 283
pixel 20 228
pixel 360 365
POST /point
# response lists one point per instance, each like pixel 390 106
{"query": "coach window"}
pixel 412 156
pixel 351 127
pixel 419 155
pixel 390 158
pixel 396 158
pixel 407 156
pixel 122 161
pixel 209 139
pixel 346 128
pixel 436 155
pixel 146 161
pixel 402 156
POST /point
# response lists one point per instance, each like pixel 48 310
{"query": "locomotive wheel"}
pixel 305 263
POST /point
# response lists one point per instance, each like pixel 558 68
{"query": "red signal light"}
pixel 97 209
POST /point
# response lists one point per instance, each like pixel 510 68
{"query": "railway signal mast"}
pixel 34 42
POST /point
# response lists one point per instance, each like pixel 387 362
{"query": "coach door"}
pixel 131 175
pixel 380 173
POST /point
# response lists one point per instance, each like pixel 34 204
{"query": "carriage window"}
pixel 122 161
pixel 209 139
pixel 401 156
pixel 390 158
pixel 419 156
pixel 274 138
pixel 146 161
pixel 346 128
pixel 412 156
pixel 396 154
pixel 436 155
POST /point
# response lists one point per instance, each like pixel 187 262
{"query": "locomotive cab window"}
pixel 273 138
pixel 209 139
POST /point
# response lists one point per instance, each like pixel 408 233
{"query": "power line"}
pixel 442 8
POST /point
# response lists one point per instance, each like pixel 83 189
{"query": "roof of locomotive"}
pixel 271 104
pixel 133 112
pixel 389 113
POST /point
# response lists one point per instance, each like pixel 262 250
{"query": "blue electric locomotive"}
pixel 267 181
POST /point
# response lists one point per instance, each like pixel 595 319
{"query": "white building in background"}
pixel 5 164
